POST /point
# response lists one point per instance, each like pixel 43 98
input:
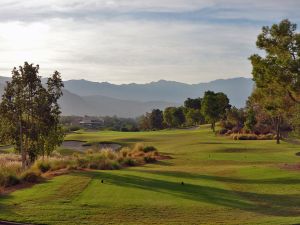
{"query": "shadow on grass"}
pixel 183 175
pixel 4 208
pixel 268 204
pixel 163 163
pixel 121 140
pixel 237 150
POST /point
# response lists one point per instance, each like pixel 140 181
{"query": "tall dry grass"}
pixel 10 169
pixel 106 159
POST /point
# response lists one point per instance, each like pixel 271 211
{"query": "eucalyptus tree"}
pixel 30 113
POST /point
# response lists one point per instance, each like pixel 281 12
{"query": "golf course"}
pixel 205 179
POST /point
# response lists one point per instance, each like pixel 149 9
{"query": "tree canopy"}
pixel 30 113
pixel 277 73
pixel 214 106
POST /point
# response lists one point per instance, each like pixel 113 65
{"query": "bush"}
pixel 61 164
pixel 31 176
pixel 149 149
pixel 129 162
pixel 43 166
pixel 223 131
pixel 124 152
pixel 267 137
pixel 12 180
pixel 74 128
pixel 149 159
pixel 139 147
pixel 244 136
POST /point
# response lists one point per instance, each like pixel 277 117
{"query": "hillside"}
pixel 237 89
pixel 73 104
pixel 83 97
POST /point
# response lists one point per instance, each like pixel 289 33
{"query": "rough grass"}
pixel 225 182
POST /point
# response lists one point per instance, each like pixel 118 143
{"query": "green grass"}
pixel 226 182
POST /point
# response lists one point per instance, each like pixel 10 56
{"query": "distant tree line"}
pixel 114 123
pixel 209 109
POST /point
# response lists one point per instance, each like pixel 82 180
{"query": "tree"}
pixel 193 116
pixel 156 119
pixel 234 119
pixel 31 114
pixel 174 117
pixel 144 122
pixel 193 103
pixel 275 103
pixel 168 116
pixel 277 74
pixel 250 119
pixel 280 67
pixel 213 107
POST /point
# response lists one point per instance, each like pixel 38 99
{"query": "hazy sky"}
pixel 123 41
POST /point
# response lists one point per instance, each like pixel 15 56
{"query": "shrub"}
pixel 149 149
pixel 223 131
pixel 31 176
pixel 129 162
pixel 58 164
pixel 109 165
pixel 82 162
pixel 244 136
pixel 12 180
pixel 149 159
pixel 74 128
pixel 43 166
pixel 266 137
pixel 124 152
pixel 138 147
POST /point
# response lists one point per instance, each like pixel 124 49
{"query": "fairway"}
pixel 225 182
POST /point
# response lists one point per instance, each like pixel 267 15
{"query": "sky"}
pixel 137 41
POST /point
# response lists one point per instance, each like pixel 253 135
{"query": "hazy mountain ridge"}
pixel 83 97
pixel 237 89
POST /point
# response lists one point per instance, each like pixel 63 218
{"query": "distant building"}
pixel 92 123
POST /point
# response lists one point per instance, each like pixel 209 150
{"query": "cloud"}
pixel 136 41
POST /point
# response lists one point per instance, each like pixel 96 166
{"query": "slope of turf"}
pixel 225 182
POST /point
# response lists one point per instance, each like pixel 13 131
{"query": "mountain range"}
pixel 82 97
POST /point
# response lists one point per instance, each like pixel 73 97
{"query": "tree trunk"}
pixel 213 124
pixel 278 130
pixel 23 153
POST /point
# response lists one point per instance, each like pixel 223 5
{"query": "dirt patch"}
pixel 51 174
pixel 163 157
pixel 297 154
pixel 290 166
pixel 8 190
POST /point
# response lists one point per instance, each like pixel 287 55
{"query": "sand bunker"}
pixel 82 146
